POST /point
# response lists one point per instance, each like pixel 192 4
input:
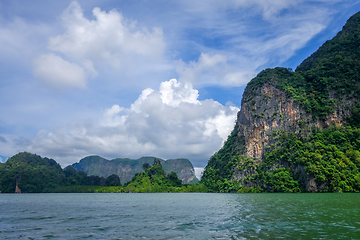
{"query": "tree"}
pixel 174 180
pixel 113 180
pixel 95 180
pixel 146 166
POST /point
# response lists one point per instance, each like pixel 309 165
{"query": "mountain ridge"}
pixel 126 168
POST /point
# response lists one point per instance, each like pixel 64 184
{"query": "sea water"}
pixel 179 216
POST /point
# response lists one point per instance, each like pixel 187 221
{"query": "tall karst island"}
pixel 126 168
pixel 297 131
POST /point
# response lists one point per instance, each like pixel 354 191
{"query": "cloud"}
pixel 282 45
pixel 272 10
pixel 8 145
pixel 91 46
pixel 20 40
pixel 269 8
pixel 167 123
pixel 193 70
pixel 57 73
pixel 213 69
pixel 21 142
pixel 110 37
pixel 233 40
pixel 251 36
pixel 174 93
pixel 2 139
pixel 198 172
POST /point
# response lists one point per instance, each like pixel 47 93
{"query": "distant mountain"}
pixel 126 168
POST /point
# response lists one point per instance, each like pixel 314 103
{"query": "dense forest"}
pixel 32 173
pixel 310 155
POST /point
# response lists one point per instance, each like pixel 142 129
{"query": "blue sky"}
pixel 138 78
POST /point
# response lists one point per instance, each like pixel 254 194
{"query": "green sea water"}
pixel 180 216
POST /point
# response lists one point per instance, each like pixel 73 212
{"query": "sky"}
pixel 126 79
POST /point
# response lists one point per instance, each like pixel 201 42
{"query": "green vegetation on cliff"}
pixel 221 166
pixel 313 156
pixel 331 157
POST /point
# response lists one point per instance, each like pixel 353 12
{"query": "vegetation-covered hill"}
pixel 298 131
pixel 30 173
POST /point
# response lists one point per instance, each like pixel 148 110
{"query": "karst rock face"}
pixel 270 110
pixel 286 136
pixel 126 168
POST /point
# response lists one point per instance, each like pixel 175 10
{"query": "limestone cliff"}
pixel 298 130
pixel 270 110
pixel 126 168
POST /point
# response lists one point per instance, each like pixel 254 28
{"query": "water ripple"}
pixel 179 216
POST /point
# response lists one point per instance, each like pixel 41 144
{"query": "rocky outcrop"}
pixel 126 168
pixel 17 189
pixel 266 110
pixel 183 168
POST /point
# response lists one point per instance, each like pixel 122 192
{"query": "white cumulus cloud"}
pixel 57 73
pixel 108 36
pixel 173 93
pixel 169 123
pixel 92 45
